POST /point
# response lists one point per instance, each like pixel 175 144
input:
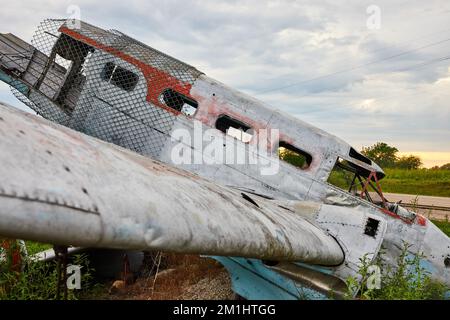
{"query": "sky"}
pixel 364 71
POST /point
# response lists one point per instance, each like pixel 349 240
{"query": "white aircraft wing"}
pixel 63 187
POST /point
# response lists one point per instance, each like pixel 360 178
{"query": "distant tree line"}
pixel 386 157
pixel 443 167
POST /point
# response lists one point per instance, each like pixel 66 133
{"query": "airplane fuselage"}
pixel 117 89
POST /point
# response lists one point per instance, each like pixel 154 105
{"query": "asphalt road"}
pixel 424 201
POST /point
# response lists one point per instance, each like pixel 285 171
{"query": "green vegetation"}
pixel 342 178
pixel 35 247
pixel 443 225
pixel 403 174
pixel 407 281
pixel 386 157
pixel 295 158
pixel 443 167
pixel 382 153
pixel 38 280
pixel 429 182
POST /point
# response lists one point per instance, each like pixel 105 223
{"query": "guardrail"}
pixel 424 206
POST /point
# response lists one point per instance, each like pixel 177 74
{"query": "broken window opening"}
pixel 365 184
pixel 85 63
pixel 120 77
pixel 294 156
pixel 60 61
pixel 107 71
pixel 71 55
pixel 345 176
pixel 234 128
pixel 371 228
pixel 179 102
pixel 356 181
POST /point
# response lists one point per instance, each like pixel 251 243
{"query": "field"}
pixel 416 182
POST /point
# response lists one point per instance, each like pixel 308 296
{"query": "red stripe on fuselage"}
pixel 157 80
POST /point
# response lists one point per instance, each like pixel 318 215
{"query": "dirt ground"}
pixel 185 277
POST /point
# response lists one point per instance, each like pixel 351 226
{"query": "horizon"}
pixel 429 159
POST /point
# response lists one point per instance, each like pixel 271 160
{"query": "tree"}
pixel 386 156
pixel 445 166
pixel 382 153
pixel 409 162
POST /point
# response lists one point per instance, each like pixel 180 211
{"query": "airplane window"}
pixel 119 76
pixel 179 102
pixel 352 178
pixel 355 154
pixel 107 71
pixel 294 156
pixel 343 176
pixel 234 128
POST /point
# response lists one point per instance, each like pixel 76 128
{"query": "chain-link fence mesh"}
pixel 105 84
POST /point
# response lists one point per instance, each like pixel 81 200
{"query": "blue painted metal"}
pixel 252 280
pixel 20 86
pixel 425 266
pixel 316 268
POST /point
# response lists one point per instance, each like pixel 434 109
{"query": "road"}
pixel 424 204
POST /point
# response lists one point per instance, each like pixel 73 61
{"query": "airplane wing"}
pixel 63 187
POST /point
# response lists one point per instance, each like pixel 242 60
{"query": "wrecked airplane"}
pixel 138 150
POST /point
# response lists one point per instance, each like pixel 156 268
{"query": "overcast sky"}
pixel 335 65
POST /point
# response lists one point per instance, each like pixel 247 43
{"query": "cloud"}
pixel 360 84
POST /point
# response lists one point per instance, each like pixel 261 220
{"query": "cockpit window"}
pixel 344 177
pixel 355 180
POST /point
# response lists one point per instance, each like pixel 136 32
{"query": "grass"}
pixel 443 225
pixel 416 182
pixel 38 280
pixel 35 247
pixel 408 280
